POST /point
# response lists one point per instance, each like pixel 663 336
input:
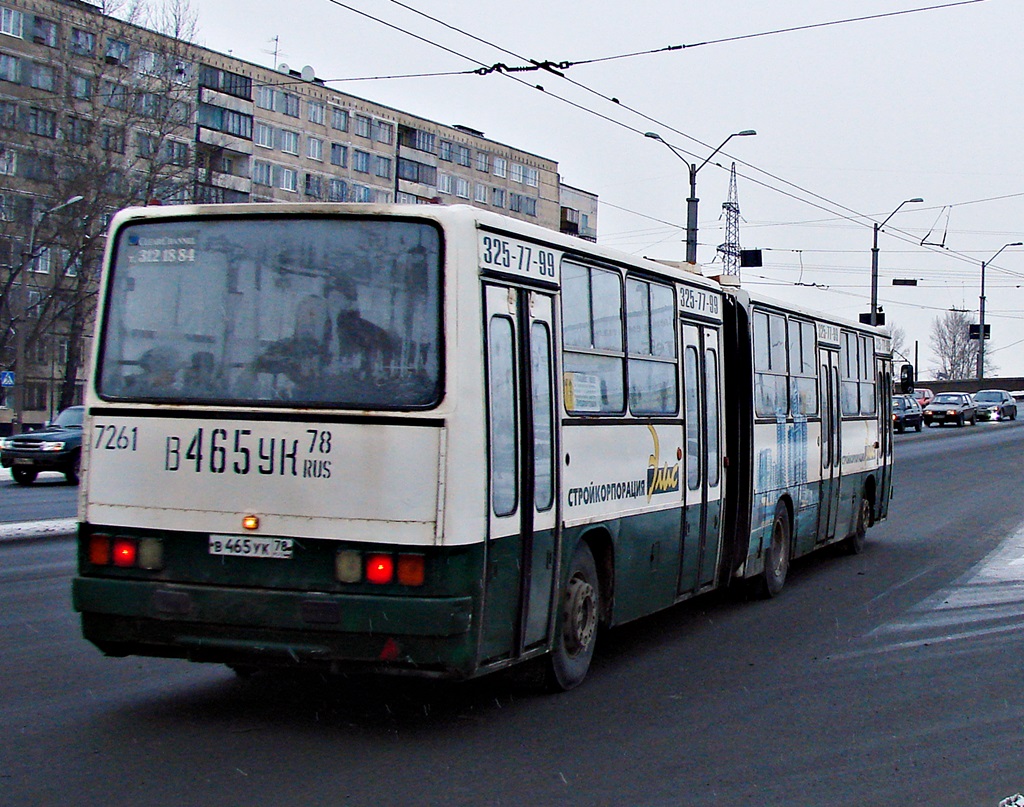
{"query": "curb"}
pixel 51 528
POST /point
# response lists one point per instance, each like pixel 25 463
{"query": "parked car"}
pixel 906 413
pixel 923 395
pixel 995 404
pixel 951 407
pixel 56 447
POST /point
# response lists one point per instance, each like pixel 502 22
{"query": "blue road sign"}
pixel 6 378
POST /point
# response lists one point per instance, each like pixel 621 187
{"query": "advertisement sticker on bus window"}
pixel 509 256
pixel 700 302
pixel 582 392
pixel 162 249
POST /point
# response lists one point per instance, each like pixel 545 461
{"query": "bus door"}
pixel 702 401
pixel 522 470
pixel 831 444
pixel 883 406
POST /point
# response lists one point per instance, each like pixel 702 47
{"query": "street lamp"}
pixel 691 202
pixel 19 334
pixel 874 258
pixel 981 310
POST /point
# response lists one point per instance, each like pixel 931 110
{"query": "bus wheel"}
pixel 776 562
pixel 580 607
pixel 855 543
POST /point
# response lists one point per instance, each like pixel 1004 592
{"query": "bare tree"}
pixel 108 124
pixel 956 352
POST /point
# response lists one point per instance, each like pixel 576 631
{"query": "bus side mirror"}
pixel 907 379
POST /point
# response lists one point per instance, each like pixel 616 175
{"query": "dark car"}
pixel 56 447
pixel 906 413
pixel 951 407
pixel 995 404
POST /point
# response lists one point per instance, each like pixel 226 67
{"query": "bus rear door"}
pixel 522 470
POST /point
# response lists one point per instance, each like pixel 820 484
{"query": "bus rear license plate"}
pixel 251 546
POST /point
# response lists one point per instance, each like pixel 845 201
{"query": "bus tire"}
pixel 776 560
pixel 576 626
pixel 854 544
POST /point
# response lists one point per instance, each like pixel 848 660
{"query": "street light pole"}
pixel 874 258
pixel 981 310
pixel 692 200
pixel 20 363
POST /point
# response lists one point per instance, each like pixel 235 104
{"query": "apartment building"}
pixel 97 113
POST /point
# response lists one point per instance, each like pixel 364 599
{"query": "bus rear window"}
pixel 332 312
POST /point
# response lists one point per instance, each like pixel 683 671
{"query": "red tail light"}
pixel 411 570
pixel 125 553
pixel 99 550
pixel 380 569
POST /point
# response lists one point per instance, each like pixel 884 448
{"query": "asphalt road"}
pixel 890 678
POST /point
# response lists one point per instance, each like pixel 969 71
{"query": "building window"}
pixel 314 185
pixel 265 97
pixel 316 112
pixel 444 183
pixel 82 42
pixel 339 119
pixel 337 190
pixel 12 22
pixel 483 161
pixel 41 262
pixel 176 152
pixel 261 173
pixel 225 81
pixel 383 132
pixel 44 32
pixel 531 177
pixel 112 139
pixel 480 193
pixel 382 167
pixel 498 197
pixel 339 154
pixel 287 104
pixel 80 86
pixel 117 51
pixel 225 120
pixel 113 95
pixel 315 148
pixel 288 179
pixel 363 126
pixel 263 135
pixel 516 174
pixel 41 122
pixel 77 131
pixel 289 141
pixel 10 68
pixel 151 105
pixel 526 205
pixel 462 156
pixel 417 139
pixel 500 167
pixel 8 162
pixel 462 187
pixel 146 144
pixel 444 151
pixel 360 161
pixel 417 172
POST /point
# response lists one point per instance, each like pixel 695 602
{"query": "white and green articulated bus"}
pixel 437 441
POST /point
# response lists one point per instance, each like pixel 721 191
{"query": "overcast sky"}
pixel 851 119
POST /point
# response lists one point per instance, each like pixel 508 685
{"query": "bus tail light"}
pixel 125 552
pixel 380 569
pixel 411 570
pixel 99 550
pixel 348 566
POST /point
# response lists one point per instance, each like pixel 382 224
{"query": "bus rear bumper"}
pixel 240 626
